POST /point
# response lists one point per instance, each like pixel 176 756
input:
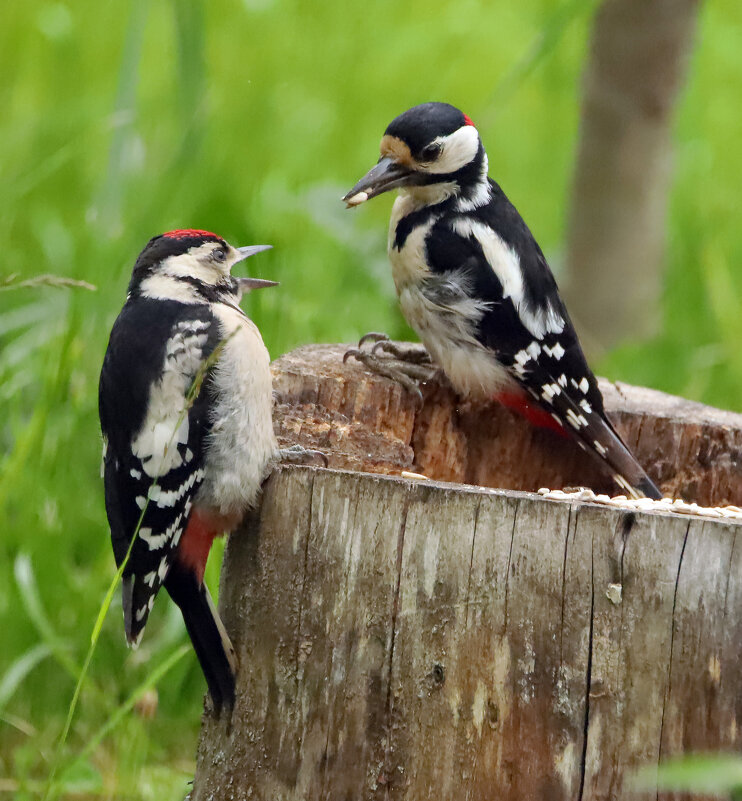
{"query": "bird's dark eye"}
pixel 218 254
pixel 430 152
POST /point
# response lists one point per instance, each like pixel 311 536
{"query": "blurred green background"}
pixel 122 120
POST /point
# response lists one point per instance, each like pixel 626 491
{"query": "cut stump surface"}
pixel 366 422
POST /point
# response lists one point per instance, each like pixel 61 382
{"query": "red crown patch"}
pixel 189 233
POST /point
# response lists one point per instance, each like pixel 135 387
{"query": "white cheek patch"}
pixel 459 148
pixel 196 263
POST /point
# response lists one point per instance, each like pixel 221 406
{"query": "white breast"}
pixel 241 441
pixel 447 332
pixel 472 369
pixel 409 265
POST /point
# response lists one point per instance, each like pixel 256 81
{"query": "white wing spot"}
pixel 623 483
pixel 562 380
pixel 176 537
pixel 575 420
pixel 600 448
pixel 149 578
pixel 534 349
pixel 155 541
pixel 163 568
pixel 584 385
pixel 140 500
pixel 168 498
pixel 135 474
pixel 556 352
pixel 586 406
pixel 141 613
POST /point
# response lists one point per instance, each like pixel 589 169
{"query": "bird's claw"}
pixel 405 365
pixel 412 354
pixel 355 353
pixel 373 336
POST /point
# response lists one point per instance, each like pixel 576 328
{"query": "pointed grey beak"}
pixel 250 250
pixel 245 285
pixel 387 174
pixel 248 284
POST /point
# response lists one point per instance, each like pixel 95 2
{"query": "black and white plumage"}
pixel 187 431
pixel 474 284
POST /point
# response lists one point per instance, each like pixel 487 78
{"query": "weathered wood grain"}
pixel 412 641
pixel 366 422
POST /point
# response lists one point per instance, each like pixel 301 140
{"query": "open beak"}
pixel 246 285
pixel 387 174
pixel 250 250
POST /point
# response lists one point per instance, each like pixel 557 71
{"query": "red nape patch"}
pixel 189 233
pixel 536 416
pixel 195 544
pixel 468 121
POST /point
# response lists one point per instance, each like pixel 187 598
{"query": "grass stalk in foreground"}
pixel 191 396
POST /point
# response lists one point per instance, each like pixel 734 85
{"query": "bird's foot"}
pixel 408 365
pixel 298 454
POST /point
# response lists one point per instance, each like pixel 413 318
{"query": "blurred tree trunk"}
pixel 616 229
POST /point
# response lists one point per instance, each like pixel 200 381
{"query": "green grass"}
pixel 251 118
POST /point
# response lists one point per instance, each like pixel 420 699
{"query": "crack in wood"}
pixel 471 562
pixel 588 676
pixel 389 710
pixel 299 637
pixel 668 690
pixel 507 571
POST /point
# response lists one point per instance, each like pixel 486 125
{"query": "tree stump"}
pixel 365 422
pixel 414 640
pixel 409 640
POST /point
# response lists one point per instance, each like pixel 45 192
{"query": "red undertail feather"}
pixel 195 544
pixel 526 408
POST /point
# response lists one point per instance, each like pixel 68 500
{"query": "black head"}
pixel 420 126
pixel 192 266
pixel 433 143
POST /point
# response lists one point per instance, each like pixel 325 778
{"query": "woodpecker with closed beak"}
pixel 474 284
pixel 185 410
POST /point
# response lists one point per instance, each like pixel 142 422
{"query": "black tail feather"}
pixel 649 488
pixel 210 639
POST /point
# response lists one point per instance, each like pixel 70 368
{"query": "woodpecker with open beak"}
pixel 185 409
pixel 474 284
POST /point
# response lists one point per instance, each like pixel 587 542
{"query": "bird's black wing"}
pixel 153 439
pixel 490 255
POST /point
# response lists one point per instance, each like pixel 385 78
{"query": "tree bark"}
pixel 365 422
pixel 408 640
pixel 616 228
